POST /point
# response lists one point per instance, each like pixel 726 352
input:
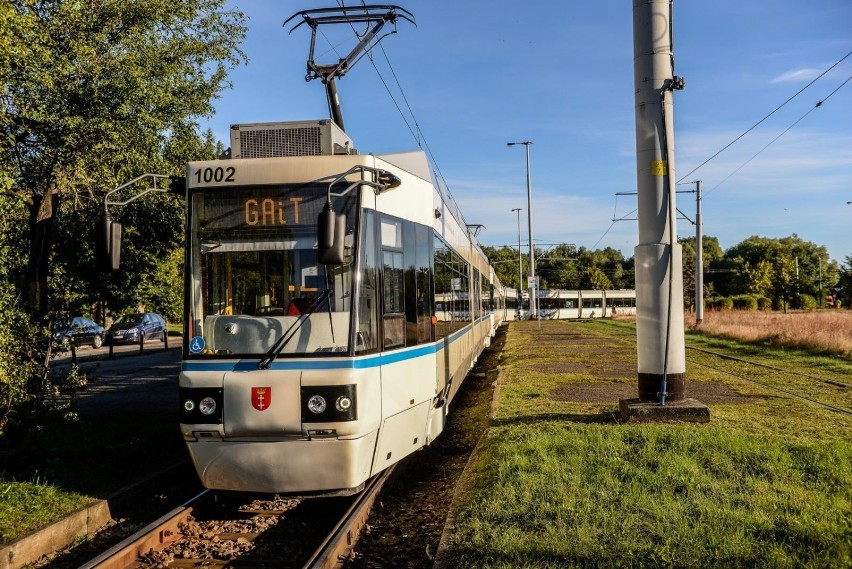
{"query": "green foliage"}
pixel 764 303
pixel 595 279
pixel 807 302
pixel 22 377
pixel 777 268
pixel 565 267
pixel 93 95
pixel 722 303
pixel 844 282
pixel 744 302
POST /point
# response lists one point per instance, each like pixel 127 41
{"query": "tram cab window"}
pixel 254 270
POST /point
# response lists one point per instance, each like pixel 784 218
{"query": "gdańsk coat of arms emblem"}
pixel 261 397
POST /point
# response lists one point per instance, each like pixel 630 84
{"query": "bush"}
pixel 808 302
pixel 780 304
pixel 744 302
pixel 22 378
pixel 721 303
pixel 764 303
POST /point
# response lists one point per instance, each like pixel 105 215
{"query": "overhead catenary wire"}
pixel 759 152
pixel 818 104
pixel 755 125
pixel 419 137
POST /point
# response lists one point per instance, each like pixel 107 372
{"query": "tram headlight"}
pixel 343 403
pixel 201 405
pixel 316 404
pixel 207 406
pixel 329 403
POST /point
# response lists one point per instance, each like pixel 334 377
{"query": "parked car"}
pixel 136 328
pixel 79 329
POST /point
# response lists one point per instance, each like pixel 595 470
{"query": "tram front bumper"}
pixel 283 466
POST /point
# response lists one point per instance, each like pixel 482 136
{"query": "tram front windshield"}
pixel 254 273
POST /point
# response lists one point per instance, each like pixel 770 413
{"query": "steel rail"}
pixel 774 368
pixel 161 531
pixel 337 548
pixel 782 390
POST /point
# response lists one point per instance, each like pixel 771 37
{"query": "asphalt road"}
pixel 131 383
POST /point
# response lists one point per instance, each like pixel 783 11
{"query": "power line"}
pixel 419 137
pixel 776 109
pixel 800 119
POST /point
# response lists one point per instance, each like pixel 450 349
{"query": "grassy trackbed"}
pixel 558 481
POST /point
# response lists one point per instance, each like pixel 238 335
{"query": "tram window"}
pixel 393 288
pixel 425 289
pixel 476 297
pixel 443 276
pixel 394 300
pixel 367 335
pixel 409 242
pixel 391 233
pixel 394 330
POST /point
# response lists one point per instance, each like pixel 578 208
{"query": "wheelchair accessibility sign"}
pixel 196 345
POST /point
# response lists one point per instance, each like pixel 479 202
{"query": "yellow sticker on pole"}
pixel 658 167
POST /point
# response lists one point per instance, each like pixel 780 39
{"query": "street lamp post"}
pixel 520 267
pixel 533 299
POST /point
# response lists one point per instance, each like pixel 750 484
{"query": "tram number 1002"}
pixel 218 174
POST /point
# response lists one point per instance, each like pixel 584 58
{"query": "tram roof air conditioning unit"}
pixel 300 138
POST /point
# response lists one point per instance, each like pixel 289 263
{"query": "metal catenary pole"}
pixel 520 266
pixel 661 357
pixel 532 287
pixel 699 257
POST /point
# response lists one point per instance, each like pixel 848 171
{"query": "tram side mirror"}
pixel 331 230
pixel 108 243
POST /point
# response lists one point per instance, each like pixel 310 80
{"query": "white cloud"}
pixel 796 75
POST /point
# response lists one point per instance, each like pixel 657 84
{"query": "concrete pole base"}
pixel 688 410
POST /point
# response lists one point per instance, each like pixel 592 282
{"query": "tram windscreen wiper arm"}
pixel 285 338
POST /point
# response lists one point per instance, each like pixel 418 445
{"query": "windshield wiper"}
pixel 285 338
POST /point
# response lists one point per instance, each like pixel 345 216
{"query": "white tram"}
pixel 335 302
pixel 572 304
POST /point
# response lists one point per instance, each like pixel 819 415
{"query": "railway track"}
pixel 210 532
pixel 793 383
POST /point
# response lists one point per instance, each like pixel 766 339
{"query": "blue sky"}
pixel 479 74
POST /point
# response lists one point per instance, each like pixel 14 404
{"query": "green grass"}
pixel 561 484
pixel 25 506
pixel 64 465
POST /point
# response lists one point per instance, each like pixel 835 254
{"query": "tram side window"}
pixel 476 294
pixel 425 296
pixel 367 334
pixel 443 278
pixel 393 285
pixel 452 302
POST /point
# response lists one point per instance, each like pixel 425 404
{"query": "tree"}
pixel 92 95
pixel 594 278
pixel 558 268
pixel 844 283
pixel 505 263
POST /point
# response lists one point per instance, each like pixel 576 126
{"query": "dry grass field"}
pixel 824 331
